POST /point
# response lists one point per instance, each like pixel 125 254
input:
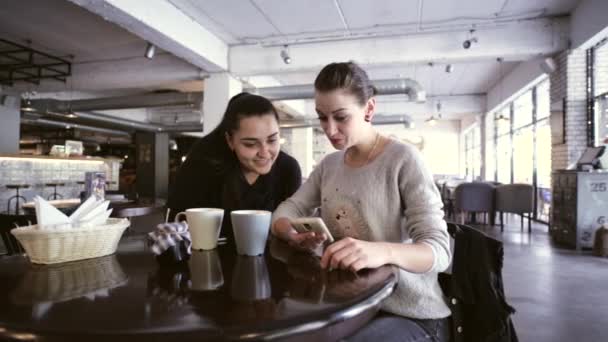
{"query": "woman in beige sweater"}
pixel 380 203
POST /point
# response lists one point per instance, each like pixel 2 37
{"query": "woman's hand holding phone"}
pixel 305 240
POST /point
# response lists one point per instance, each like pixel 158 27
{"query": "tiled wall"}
pixel 37 172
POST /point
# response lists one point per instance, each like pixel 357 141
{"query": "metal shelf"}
pixel 22 63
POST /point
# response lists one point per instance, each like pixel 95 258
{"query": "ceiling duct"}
pixel 379 119
pixel 406 86
pixel 138 125
pixel 189 100
pixel 51 123
pixel 130 125
pixel 84 110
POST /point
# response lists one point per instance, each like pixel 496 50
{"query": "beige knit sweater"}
pixel 392 199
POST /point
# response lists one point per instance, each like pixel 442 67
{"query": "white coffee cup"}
pixel 204 225
pixel 205 270
pixel 250 229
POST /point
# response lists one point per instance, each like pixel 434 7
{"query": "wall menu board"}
pixel 592 211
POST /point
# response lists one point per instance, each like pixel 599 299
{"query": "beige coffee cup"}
pixel 204 225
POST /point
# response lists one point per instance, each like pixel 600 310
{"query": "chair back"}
pixel 476 196
pixel 9 222
pixel 474 289
pixel 515 198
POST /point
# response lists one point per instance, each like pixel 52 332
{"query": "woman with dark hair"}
pixel 238 165
pixel 380 203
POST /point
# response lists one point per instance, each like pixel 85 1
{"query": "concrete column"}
pixel 152 151
pixel 10 127
pixel 219 88
pixel 568 104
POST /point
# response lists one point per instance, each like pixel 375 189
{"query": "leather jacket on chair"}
pixel 474 289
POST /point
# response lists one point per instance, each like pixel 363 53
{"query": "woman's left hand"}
pixel 354 254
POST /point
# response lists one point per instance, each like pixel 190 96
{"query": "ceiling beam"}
pixel 514 41
pixel 164 25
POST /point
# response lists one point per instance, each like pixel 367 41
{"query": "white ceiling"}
pixel 108 52
pixel 280 21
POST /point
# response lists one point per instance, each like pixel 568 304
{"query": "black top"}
pixel 215 295
pixel 212 181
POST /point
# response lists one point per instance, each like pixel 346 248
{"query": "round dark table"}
pixel 216 295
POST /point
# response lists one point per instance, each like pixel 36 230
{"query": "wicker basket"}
pixel 51 246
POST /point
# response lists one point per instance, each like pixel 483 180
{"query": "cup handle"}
pixel 178 215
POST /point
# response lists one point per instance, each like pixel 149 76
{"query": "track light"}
pixel 26 106
pixel 502 118
pixel 449 68
pixel 285 55
pixel 150 50
pixel 468 42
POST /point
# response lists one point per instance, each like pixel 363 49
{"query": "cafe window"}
pixel 472 152
pixel 522 110
pixel 523 139
pixel 490 151
pixel 600 92
pixel 517 135
pixel 503 124
pixel 543 101
pixel 503 159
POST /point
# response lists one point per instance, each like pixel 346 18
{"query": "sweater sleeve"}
pixel 305 200
pixel 424 208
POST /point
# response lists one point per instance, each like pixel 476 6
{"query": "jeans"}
pixel 390 327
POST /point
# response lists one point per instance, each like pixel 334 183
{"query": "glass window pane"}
pixel 600 75
pixel 543 101
pixel 489 158
pixel 601 120
pixel 543 154
pixel 476 163
pixel 523 147
pixel 503 124
pixel 503 158
pixel 522 110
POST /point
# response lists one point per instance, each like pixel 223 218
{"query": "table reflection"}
pixel 44 285
pixel 216 294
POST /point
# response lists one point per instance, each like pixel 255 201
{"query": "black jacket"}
pixel 475 291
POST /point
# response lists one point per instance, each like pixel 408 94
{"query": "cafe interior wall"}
pixel 438 144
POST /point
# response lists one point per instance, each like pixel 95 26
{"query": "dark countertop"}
pixel 216 295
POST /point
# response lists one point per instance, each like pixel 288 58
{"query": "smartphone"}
pixel 311 224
